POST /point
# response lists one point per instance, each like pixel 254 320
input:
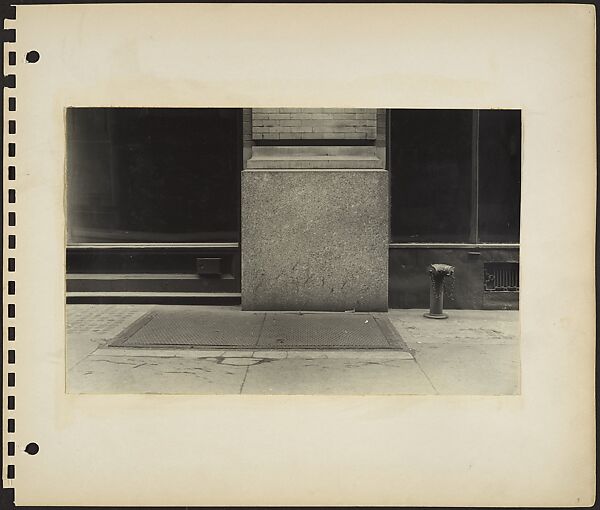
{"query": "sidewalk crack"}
pixel 245 375
pixel 260 330
pixel 425 374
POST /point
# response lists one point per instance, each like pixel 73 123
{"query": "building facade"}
pixel 293 208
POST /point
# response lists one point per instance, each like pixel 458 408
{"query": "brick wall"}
pixel 381 141
pixel 247 141
pixel 314 123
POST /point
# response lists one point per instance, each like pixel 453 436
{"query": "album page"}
pixel 300 254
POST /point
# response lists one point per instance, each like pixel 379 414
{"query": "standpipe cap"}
pixel 441 270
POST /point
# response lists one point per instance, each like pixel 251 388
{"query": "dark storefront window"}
pixel 499 176
pixel 431 181
pixel 455 176
pixel 153 175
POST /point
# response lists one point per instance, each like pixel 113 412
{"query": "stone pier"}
pixel 314 211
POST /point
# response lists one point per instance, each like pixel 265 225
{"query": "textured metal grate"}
pixel 260 330
pixel 322 330
pixel 194 327
pixel 501 276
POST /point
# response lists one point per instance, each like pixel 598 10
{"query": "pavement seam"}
pixel 82 359
pixel 426 376
pixel 246 374
pixel 104 343
pixel 260 330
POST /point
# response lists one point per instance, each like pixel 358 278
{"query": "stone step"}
pixel 156 298
pixel 150 283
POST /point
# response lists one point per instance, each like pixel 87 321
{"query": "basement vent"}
pixel 501 276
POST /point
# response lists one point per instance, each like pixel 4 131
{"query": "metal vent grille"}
pixel 501 276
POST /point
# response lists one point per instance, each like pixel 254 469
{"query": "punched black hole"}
pixel 12 287
pixel 11 356
pixel 11 425
pixel 32 56
pixel 11 380
pixel 11 264
pixel 12 150
pixel 11 311
pixel 10 472
pixel 12 242
pixel 12 173
pixel 11 333
pixel 12 104
pixel 12 219
pixel 12 127
pixel 11 403
pixel 32 448
pixel 12 196
pixel 12 58
pixel 11 448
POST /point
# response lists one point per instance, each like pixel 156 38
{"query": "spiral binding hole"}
pixel 32 57
pixel 32 448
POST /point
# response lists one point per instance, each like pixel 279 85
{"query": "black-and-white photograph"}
pixel 348 251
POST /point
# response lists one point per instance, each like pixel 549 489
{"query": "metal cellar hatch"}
pixel 501 276
pixel 218 327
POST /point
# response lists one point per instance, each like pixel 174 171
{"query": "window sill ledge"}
pixel 464 246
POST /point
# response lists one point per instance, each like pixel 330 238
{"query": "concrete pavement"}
pixel 471 353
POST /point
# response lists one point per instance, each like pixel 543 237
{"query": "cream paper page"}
pixel 537 448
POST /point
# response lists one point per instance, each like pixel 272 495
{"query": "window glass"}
pixel 431 168
pixel 153 174
pixel 499 175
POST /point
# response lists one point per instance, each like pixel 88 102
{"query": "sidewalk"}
pixel 471 352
